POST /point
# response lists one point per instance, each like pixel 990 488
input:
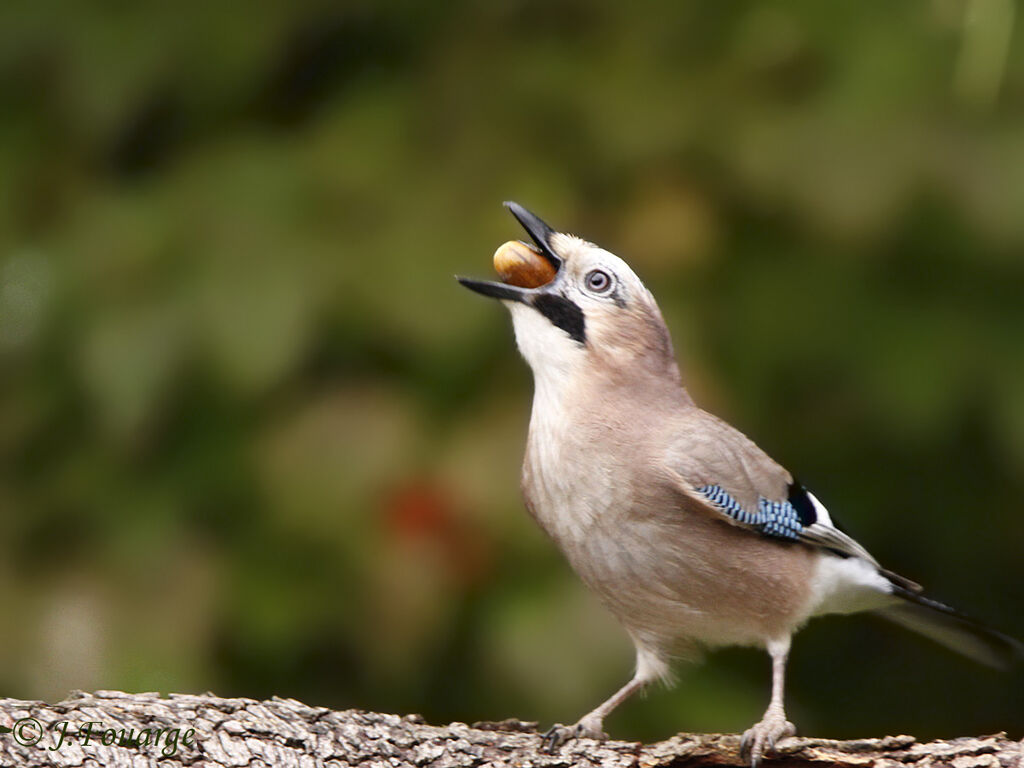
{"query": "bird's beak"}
pixel 538 231
pixel 541 234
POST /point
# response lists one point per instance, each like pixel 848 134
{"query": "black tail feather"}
pixel 953 629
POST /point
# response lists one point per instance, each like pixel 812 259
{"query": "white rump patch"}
pixel 848 585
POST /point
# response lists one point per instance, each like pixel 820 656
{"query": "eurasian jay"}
pixel 685 529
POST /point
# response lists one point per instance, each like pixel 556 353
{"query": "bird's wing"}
pixel 729 476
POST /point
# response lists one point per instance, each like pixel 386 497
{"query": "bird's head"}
pixel 576 306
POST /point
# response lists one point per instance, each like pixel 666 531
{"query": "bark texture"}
pixel 139 731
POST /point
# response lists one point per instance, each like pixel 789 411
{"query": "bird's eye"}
pixel 598 281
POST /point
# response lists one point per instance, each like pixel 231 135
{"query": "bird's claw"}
pixel 555 736
pixel 558 734
pixel 762 737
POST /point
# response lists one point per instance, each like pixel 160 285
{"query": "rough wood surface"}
pixel 285 732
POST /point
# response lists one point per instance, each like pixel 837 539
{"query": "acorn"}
pixel 520 265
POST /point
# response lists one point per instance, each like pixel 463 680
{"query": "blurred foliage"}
pixel 255 439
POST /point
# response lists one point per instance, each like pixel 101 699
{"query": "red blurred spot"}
pixel 418 509
pixel 423 512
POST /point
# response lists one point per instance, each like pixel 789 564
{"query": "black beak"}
pixel 538 231
pixel 497 290
pixel 541 234
pixel 548 299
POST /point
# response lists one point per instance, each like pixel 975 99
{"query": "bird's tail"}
pixel 952 629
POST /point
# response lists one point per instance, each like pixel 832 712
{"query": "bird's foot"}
pixel 587 728
pixel 762 736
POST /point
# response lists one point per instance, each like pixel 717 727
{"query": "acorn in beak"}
pixel 522 267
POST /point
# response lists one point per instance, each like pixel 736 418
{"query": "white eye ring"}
pixel 598 281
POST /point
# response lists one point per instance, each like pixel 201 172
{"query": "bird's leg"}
pixel 591 725
pixel 774 725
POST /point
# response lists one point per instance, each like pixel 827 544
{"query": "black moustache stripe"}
pixel 563 313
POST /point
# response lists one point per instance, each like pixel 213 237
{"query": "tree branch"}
pixel 182 730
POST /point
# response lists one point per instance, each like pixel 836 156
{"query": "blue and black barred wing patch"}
pixel 782 519
pixel 798 518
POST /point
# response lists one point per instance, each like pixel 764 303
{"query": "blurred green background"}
pixel 255 439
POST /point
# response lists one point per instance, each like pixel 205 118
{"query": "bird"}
pixel 688 532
